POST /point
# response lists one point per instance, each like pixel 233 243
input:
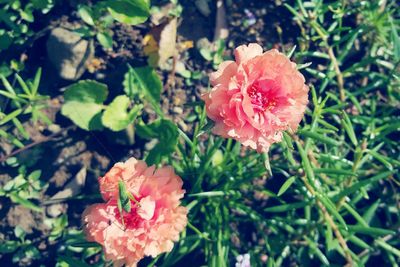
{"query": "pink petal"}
pixel 244 53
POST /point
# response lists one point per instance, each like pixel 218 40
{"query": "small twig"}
pixel 365 251
pixel 339 75
pixel 42 140
pixel 327 216
pixel 329 220
pixel 349 180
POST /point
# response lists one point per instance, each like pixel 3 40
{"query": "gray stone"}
pixel 72 189
pixel 69 53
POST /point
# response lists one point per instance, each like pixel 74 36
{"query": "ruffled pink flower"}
pixel 154 222
pixel 256 97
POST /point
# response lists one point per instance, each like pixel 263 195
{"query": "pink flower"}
pixel 154 222
pixel 256 97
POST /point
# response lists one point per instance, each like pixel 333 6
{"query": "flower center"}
pixel 261 98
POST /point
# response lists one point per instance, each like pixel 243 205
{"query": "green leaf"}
pixel 83 244
pixel 19 232
pixel 130 12
pixel 10 116
pixel 36 81
pixel 25 202
pixel 357 241
pixel 357 186
pixel 206 128
pixel 388 247
pixel 9 246
pixel 144 80
pixel 20 128
pixel 23 85
pixel 84 103
pixel 373 231
pixel 5 40
pixel 348 127
pixel 72 262
pixel 331 208
pixel 116 116
pixel 319 137
pixel 396 41
pixel 370 213
pixel 286 185
pixel 105 39
pixel 335 171
pixel 86 15
pixel 167 134
pixel 381 158
pixel 11 138
pixel 287 207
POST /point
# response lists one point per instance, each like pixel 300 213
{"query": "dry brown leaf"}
pixel 160 43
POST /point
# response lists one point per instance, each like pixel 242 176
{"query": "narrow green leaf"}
pixel 331 209
pixel 24 202
pixel 314 248
pixel 396 41
pixel 372 231
pixel 72 262
pixel 10 116
pixel 23 85
pixel 319 137
pixel 287 207
pixel 306 164
pixel 370 213
pixel 335 171
pixel 7 85
pixel 206 128
pixel 11 138
pixel 348 126
pixel 357 186
pixel 355 214
pixel 286 185
pixel 381 159
pixel 291 52
pixel 388 247
pixel 36 81
pixel 358 242
pixel 20 128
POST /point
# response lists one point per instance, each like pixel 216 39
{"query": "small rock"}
pixel 69 53
pixel 202 6
pixel 72 189
pixel 177 110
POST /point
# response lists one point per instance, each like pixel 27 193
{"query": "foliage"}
pixel 100 17
pixel 15 18
pixel 19 102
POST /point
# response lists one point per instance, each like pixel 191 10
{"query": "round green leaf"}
pixel 130 12
pixel 84 103
pixel 87 91
pixel 116 116
pixel 86 15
